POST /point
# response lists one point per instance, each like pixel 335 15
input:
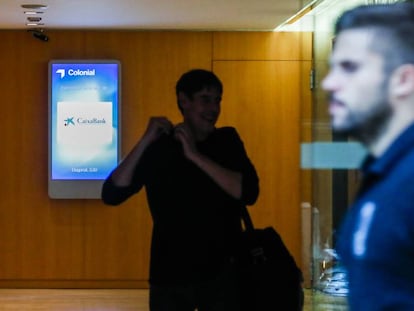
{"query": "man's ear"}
pixel 402 81
pixel 182 100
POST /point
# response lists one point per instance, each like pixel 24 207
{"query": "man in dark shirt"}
pixel 371 87
pixel 196 178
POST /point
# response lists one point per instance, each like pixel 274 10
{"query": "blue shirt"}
pixel 376 239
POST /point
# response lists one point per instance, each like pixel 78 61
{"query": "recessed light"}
pixel 34 6
pixel 32 12
pixel 34 24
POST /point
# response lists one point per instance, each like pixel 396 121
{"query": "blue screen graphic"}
pixel 84 120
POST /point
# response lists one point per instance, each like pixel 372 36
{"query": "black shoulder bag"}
pixel 269 278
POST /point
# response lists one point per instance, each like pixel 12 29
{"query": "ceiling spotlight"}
pixel 39 34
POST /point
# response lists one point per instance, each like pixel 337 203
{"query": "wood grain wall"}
pixel 83 243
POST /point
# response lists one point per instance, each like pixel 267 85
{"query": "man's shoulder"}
pixel 222 137
pixel 405 163
pixel 226 130
pixel 225 134
pixel 404 168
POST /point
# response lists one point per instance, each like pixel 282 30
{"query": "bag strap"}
pixel 255 249
pixel 247 220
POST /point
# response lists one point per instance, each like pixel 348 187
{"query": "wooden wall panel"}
pixel 83 243
pixel 72 240
pixel 263 46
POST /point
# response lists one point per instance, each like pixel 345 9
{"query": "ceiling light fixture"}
pixel 34 9
pixel 34 6
pixel 32 12
pixel 34 19
pixel 319 14
pixel 299 15
pixel 34 24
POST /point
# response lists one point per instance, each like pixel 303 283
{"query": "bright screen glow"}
pixel 84 120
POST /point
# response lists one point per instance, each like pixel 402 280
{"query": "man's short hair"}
pixel 392 25
pixel 196 80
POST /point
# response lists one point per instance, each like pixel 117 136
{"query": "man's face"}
pixel 356 85
pixel 202 111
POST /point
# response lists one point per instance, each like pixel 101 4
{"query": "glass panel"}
pixel 333 160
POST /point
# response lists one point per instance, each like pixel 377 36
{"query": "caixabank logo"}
pixel 71 121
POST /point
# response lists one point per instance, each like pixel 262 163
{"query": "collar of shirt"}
pixel 374 169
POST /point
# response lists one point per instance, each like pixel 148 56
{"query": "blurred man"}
pixel 371 88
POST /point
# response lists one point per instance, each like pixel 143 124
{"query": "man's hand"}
pixel 157 126
pixel 183 133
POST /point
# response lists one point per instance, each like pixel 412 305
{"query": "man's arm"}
pixel 122 175
pixel 119 185
pixel 229 180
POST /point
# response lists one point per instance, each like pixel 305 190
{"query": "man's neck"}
pixel 397 125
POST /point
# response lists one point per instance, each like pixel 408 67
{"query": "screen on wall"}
pixel 84 127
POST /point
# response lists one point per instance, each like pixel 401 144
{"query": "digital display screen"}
pixel 83 119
